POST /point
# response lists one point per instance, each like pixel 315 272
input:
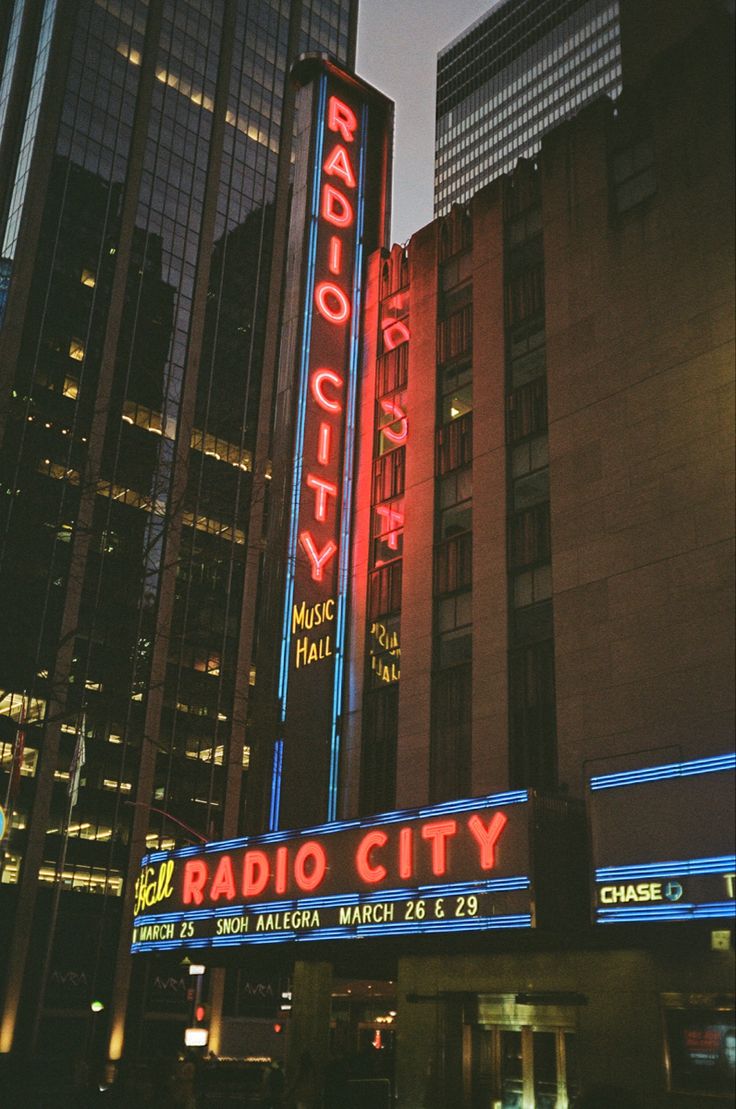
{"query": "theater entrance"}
pixel 523 1053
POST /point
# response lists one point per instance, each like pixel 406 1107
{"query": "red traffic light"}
pixel 278 1028
pixel 199 1012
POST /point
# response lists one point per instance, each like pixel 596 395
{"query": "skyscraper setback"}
pixel 140 157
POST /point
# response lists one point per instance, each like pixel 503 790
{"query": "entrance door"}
pixel 523 1068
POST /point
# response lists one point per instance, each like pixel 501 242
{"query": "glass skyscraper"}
pixel 141 154
pixel 510 77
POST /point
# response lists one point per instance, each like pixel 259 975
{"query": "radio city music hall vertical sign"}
pixel 338 216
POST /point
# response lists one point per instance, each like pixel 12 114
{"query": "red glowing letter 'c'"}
pixel 316 382
pixel 335 313
pixel 310 851
pixel 367 871
pixel 341 118
pixel 336 208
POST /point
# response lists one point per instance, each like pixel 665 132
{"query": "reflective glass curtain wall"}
pixel 142 139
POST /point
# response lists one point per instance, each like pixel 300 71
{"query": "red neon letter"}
pixel 394 334
pixel 318 559
pixel 316 385
pixel 324 442
pixel 394 521
pixel 195 876
pixel 335 314
pixel 223 881
pixel 282 855
pixel 255 873
pixel 363 865
pixel 323 489
pixel 338 165
pixel 336 208
pixel 406 852
pixel 438 833
pixel 315 852
pixel 487 838
pixel 396 410
pixel 341 118
pixel 335 263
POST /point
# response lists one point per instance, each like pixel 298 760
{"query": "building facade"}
pixel 510 77
pixel 141 157
pixel 528 891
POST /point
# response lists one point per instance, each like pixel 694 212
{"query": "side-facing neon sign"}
pixel 328 239
pixel 683 869
pixel 461 865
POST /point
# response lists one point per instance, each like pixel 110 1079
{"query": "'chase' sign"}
pixel 662 842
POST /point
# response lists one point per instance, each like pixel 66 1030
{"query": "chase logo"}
pixel 640 892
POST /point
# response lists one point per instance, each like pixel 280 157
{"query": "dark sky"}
pixel 398 42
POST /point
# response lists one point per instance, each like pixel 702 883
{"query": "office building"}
pixel 510 77
pixel 141 156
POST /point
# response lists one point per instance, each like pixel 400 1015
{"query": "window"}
pixel 531 489
pixel 384 651
pixel 529 456
pixel 456 487
pixel 388 531
pixel 450 745
pixel 388 476
pixel 529 537
pixel 384 590
pixel 532 718
pixel 378 753
pixel 633 176
pixel 28 762
pixel 392 369
pixel 391 423
pixel 455 335
pixel 701 1044
pixel 76 350
pixel 533 586
pixel 526 410
pixel 453 563
pixel 524 296
pixel 456 387
pixel 526 346
pixel 455 444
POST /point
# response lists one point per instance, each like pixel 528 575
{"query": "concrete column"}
pixel 309 1024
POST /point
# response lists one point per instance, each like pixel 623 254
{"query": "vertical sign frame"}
pixel 339 215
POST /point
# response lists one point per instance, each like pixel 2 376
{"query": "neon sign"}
pixel 336 219
pixel 682 871
pixel 460 865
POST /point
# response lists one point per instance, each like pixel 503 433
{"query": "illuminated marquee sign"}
pixel 662 841
pixel 458 866
pixel 335 221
